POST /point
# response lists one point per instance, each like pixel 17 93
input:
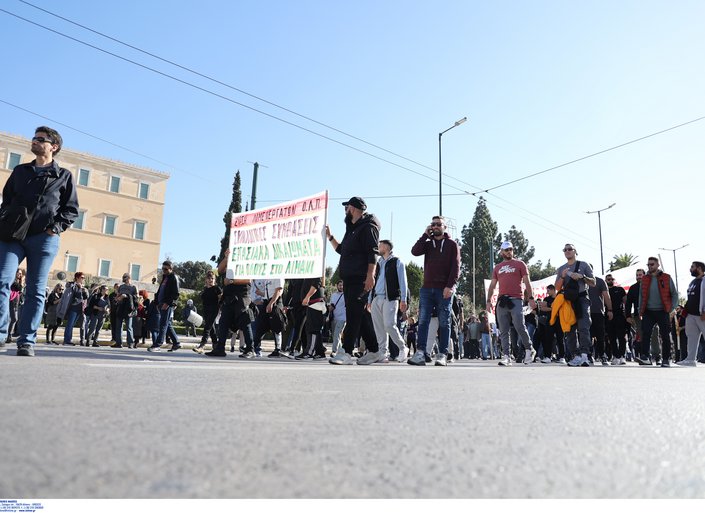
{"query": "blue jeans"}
pixel 72 315
pixel 164 326
pixel 486 346
pixel 39 250
pixel 428 299
pixel 128 329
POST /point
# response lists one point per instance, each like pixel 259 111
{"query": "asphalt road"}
pixel 119 423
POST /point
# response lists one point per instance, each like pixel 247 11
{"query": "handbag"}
pixel 571 291
pixel 14 223
pixel 15 220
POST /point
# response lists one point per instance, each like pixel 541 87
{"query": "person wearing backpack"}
pixel 572 278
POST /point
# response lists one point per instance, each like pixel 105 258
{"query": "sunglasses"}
pixel 565 250
pixel 436 224
pixel 42 140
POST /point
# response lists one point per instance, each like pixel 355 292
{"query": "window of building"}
pixel 144 190
pixel 71 264
pixel 115 184
pixel 83 176
pixel 13 160
pixel 135 270
pixel 139 230
pixel 109 225
pixel 104 268
pixel 78 224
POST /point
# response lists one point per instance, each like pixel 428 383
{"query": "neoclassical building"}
pixel 121 208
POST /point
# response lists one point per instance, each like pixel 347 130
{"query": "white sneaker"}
pixel 545 359
pixel 419 358
pixel 505 361
pixel 370 358
pixel 579 360
pixel 529 356
pixel 561 361
pixel 622 361
pixel 615 361
pixel 687 363
pixel 341 358
pixel 441 360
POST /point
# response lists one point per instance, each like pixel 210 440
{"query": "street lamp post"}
pixel 675 268
pixel 599 224
pixel 440 169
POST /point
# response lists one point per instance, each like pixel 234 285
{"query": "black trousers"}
pixel 658 318
pixel 314 326
pixel 357 324
pixel 617 334
pixel 209 316
pixel 597 331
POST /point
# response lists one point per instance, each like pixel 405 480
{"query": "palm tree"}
pixel 622 261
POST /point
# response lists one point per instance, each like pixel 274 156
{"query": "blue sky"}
pixel 542 83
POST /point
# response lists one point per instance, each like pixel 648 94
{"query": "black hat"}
pixel 357 202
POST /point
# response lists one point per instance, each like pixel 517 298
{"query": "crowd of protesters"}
pixel 583 320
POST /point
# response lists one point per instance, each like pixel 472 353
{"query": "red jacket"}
pixel 664 290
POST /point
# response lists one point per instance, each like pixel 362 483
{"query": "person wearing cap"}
pixel 510 274
pixel 166 297
pixel 235 313
pixel 358 259
pixel 578 275
pixel 126 300
pixel 441 271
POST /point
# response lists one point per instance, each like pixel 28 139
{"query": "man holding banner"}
pixel 358 260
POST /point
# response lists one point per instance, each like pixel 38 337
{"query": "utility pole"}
pixel 253 197
pixel 675 268
pixel 599 223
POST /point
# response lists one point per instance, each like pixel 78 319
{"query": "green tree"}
pixel 622 261
pixel 235 206
pixel 487 240
pixel 414 278
pixel 538 272
pixel 192 274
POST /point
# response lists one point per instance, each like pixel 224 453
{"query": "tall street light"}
pixel 599 223
pixel 675 269
pixel 440 170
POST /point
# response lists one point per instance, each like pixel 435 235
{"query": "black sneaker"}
pixel 247 354
pixel 604 360
pixel 428 358
pixel 658 361
pixel 25 350
pixel 95 344
pixel 232 349
pixel 319 356
pixel 68 344
pixel 275 354
pixel 303 356
pixel 174 347
pixel 665 363
pixel 221 354
pixel 116 345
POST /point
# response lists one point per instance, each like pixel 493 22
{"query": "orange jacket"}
pixel 562 309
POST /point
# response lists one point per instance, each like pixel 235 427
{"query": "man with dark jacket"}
pixel 441 271
pixel 358 259
pixel 166 297
pixel 48 193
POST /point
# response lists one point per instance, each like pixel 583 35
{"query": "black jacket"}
pixel 56 208
pixel 358 248
pixel 171 290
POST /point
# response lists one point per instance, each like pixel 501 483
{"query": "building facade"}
pixel 120 221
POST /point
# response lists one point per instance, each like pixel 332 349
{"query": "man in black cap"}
pixel 358 259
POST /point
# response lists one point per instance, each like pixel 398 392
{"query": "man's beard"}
pixel 348 218
pixel 694 274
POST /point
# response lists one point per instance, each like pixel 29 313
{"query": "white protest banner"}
pixel 284 241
